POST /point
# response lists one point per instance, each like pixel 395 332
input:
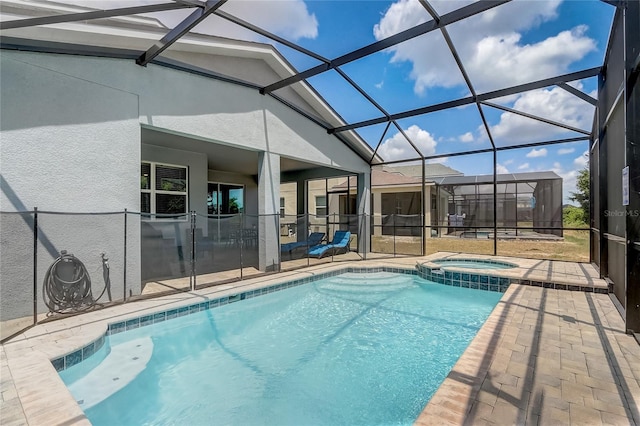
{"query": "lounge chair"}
pixel 300 247
pixel 339 245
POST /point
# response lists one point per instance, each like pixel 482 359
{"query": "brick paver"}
pixel 570 363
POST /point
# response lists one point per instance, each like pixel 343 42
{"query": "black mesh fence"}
pixel 17 272
pixel 57 263
pixel 396 234
pixel 165 252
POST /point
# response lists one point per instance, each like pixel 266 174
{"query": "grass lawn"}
pixel 574 247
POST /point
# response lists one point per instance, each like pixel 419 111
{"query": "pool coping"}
pixel 520 274
pixel 44 397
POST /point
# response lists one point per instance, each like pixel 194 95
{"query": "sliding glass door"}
pixel 225 198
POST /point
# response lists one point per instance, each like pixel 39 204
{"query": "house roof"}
pixel 501 178
pixel 430 170
pixel 382 178
pixel 385 178
pixel 126 36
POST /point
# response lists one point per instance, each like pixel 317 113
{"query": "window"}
pixel 406 203
pixel 225 198
pixel 163 189
pixel 282 212
pixel 321 205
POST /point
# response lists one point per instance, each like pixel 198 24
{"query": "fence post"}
pixel 367 231
pixel 333 222
pixel 393 216
pixel 192 276
pixel 35 265
pixel 278 227
pixel 241 242
pixel 307 228
pixel 124 273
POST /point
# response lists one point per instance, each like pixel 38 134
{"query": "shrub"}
pixel 573 216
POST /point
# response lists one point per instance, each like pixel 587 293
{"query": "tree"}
pixel 233 205
pixel 573 216
pixel 581 196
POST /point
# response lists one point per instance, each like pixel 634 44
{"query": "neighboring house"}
pixel 430 170
pixel 86 129
pixel 395 201
pixel 455 202
pixel 528 200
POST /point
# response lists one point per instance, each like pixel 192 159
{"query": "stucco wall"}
pixel 251 70
pixel 68 145
pixel 208 108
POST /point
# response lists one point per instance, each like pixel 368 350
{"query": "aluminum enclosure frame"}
pixel 438 22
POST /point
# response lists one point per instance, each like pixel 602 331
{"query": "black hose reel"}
pixel 67 285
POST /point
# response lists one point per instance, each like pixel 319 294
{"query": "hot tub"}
pixel 474 263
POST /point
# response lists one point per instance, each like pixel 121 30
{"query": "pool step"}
pixel 128 359
pixel 366 283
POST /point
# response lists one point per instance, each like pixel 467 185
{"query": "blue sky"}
pixel 522 41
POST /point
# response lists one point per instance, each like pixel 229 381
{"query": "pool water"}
pixel 366 349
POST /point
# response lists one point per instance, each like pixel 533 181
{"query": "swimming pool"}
pixel 350 349
pixel 474 263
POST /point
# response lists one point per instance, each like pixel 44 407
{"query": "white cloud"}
pixel 490 45
pixel 440 160
pixel 569 179
pixel 397 147
pixel 564 151
pixel 379 85
pixel 503 57
pixel 500 169
pixel 582 161
pixel 523 166
pixel 556 104
pixel 509 161
pixel 288 18
pixel 534 153
pixel 467 137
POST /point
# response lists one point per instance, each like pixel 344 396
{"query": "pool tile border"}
pixel 75 357
pixel 443 262
pixel 484 281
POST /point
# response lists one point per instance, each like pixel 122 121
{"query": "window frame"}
pixel 321 206
pixel 153 192
pixel 218 184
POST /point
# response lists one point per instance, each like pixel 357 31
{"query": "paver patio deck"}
pixel 544 356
